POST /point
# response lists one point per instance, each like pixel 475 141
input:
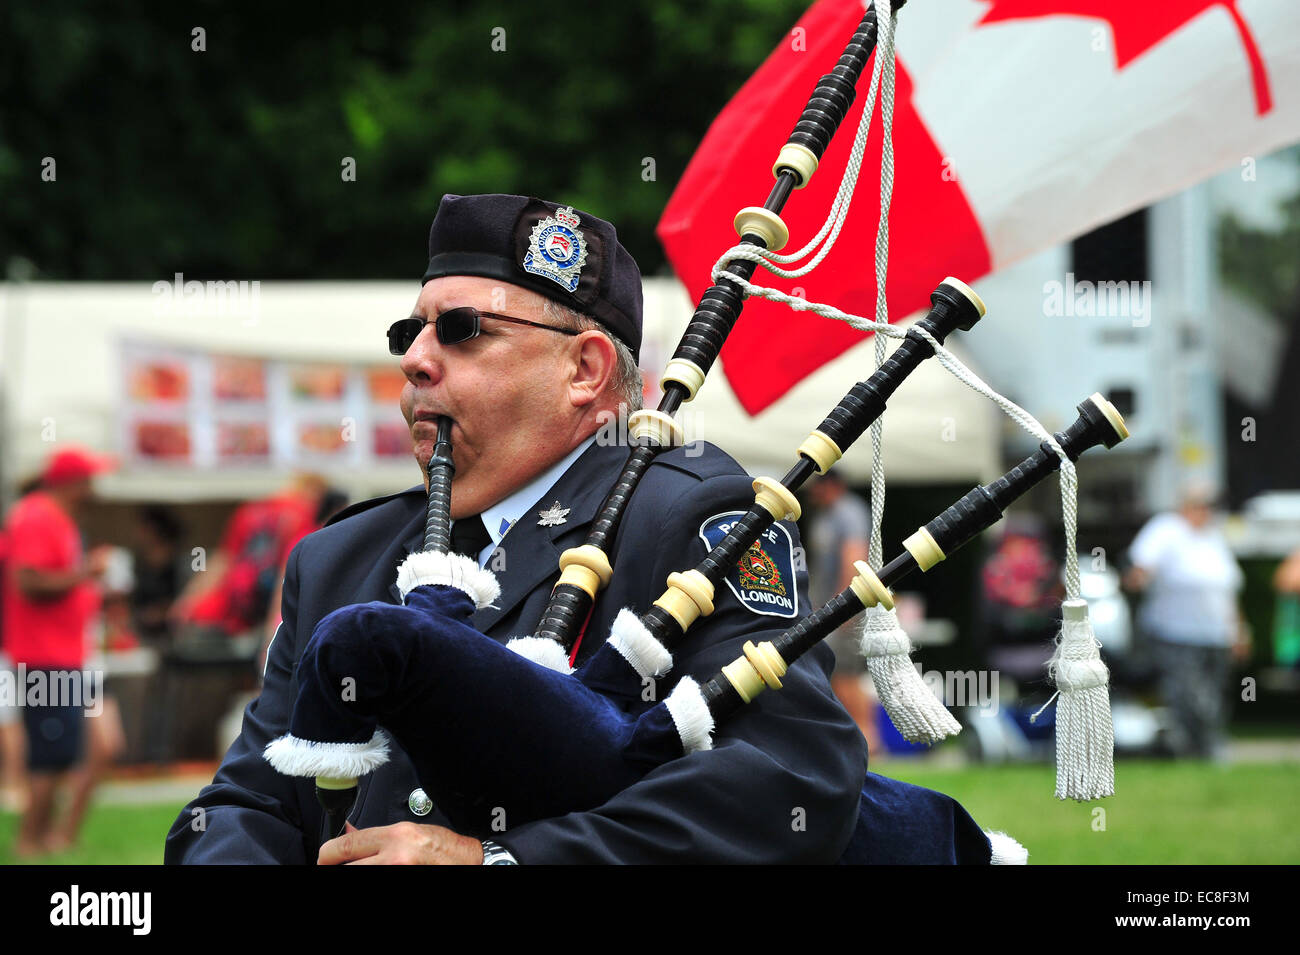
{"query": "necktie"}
pixel 469 536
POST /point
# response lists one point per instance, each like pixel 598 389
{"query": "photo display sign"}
pixel 190 409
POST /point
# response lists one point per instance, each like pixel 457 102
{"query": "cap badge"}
pixel 557 249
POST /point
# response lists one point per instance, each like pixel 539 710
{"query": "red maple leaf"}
pixel 1137 27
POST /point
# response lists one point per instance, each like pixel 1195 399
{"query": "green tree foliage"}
pixel 1264 264
pixel 227 162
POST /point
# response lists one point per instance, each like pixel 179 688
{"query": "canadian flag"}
pixel 1018 124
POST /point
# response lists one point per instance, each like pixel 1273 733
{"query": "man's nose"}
pixel 424 359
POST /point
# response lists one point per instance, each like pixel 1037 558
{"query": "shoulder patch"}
pixel 763 581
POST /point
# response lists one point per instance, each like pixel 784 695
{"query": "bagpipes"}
pixel 548 740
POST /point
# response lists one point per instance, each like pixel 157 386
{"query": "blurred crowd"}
pixel 191 628
pixel 1167 614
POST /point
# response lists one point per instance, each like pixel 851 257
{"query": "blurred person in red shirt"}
pixel 1020 599
pixel 332 501
pixel 231 596
pixel 13 734
pixel 50 598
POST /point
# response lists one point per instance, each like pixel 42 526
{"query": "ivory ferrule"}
pixel 821 450
pixel 688 597
pixel 777 499
pixel 769 663
pixel 744 679
pixel 869 588
pixel 765 224
pixel 656 426
pixel 1111 412
pixel 585 567
pixel 799 159
pixel 685 373
pixel 924 549
pixel 971 295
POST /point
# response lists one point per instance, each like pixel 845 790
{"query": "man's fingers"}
pixel 404 843
pixel 355 844
pixel 348 827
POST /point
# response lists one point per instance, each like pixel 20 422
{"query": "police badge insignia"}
pixel 759 570
pixel 763 580
pixel 557 249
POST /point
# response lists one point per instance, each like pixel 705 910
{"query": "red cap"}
pixel 74 464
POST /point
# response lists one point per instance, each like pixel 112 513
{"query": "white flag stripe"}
pixel 1049 139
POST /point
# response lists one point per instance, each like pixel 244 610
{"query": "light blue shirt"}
pixel 500 517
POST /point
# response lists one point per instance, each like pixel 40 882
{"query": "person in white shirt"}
pixel 1182 563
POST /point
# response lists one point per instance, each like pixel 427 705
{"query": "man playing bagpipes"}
pixel 527 394
pixel 599 717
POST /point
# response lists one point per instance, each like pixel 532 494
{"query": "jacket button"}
pixel 419 802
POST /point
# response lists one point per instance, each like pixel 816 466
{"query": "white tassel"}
pixel 691 716
pixel 918 714
pixel 543 651
pixel 1006 851
pixel 1085 736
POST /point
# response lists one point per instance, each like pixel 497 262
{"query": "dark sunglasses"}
pixel 452 327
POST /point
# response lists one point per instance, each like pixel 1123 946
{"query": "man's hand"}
pixel 1136 578
pixel 1242 640
pixel 406 843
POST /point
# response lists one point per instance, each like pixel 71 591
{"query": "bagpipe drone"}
pixel 576 738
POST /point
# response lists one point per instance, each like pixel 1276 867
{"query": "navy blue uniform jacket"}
pixel 781 784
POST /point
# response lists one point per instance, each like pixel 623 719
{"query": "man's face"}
pixel 76 494
pixel 1197 513
pixel 506 390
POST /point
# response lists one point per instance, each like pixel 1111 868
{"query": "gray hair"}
pixel 627 384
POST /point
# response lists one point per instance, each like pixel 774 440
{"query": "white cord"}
pixel 885 53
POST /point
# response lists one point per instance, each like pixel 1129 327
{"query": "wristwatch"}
pixel 494 854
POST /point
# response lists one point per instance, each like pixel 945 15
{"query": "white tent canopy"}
pixel 60 350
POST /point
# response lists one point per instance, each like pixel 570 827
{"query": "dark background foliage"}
pixel 227 163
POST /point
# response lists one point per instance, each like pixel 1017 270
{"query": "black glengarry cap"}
pixel 565 254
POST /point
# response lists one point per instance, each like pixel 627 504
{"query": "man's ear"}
pixel 594 366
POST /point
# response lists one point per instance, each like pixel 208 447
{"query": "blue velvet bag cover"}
pixel 486 729
pixel 490 732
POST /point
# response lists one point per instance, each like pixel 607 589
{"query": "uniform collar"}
pixel 585 484
pixel 500 517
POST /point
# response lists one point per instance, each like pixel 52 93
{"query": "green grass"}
pixel 1257 731
pixel 122 835
pixel 1162 812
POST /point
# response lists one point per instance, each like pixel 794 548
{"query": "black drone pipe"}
pixel 1099 423
pixel 336 794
